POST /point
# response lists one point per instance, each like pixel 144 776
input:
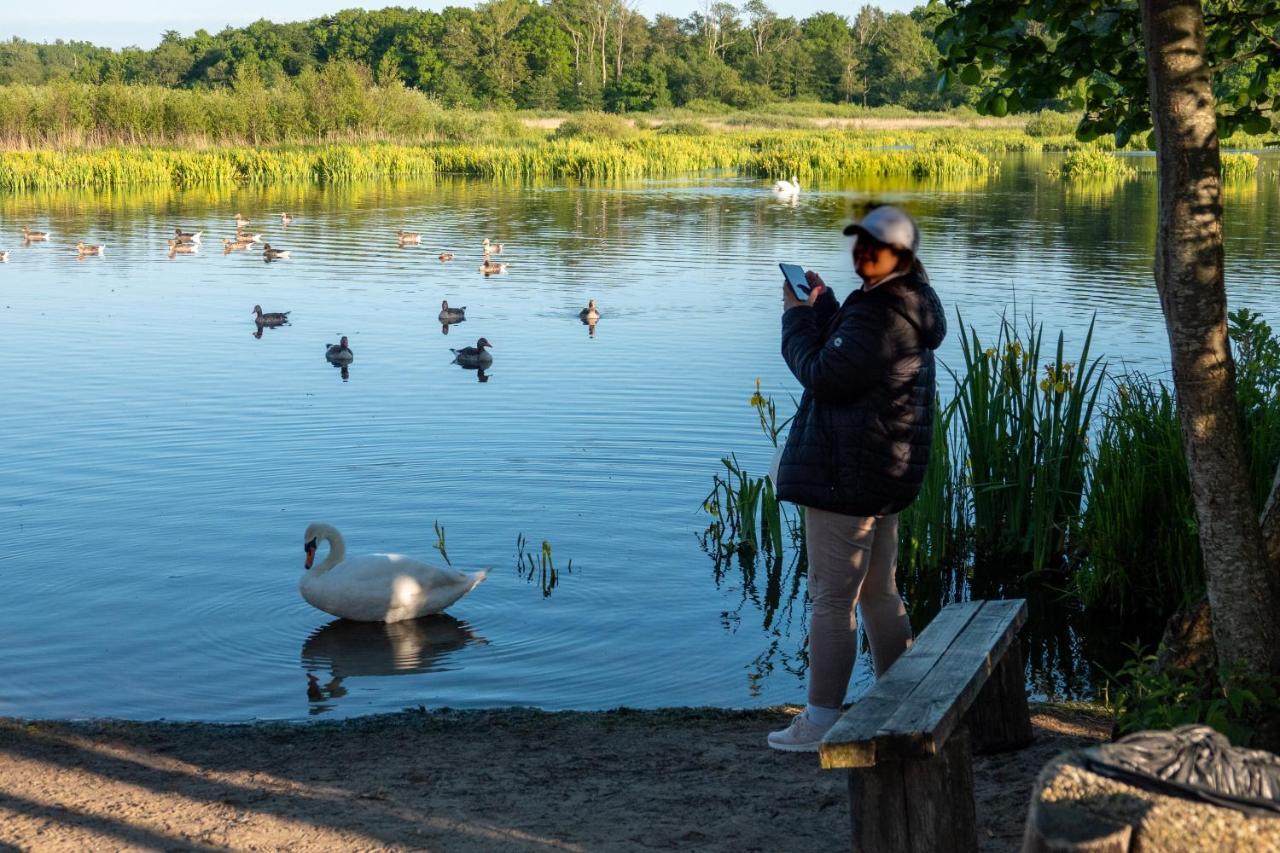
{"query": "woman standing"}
pixel 857 452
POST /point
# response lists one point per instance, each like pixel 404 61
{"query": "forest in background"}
pixel 556 55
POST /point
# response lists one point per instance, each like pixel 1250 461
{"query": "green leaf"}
pixel 1077 102
pixel 1256 125
pixel 1100 92
pixel 970 74
pixel 999 106
pixel 1123 134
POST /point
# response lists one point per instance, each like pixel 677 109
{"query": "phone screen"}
pixel 794 274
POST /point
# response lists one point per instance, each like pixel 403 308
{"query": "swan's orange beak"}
pixel 310 548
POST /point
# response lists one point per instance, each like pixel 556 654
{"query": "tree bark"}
pixel 1271 527
pixel 1189 276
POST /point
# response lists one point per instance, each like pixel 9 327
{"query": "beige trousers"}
pixel 852 561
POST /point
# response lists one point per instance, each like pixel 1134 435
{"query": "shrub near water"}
pixel 1083 164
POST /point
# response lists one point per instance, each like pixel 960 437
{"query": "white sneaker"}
pixel 803 735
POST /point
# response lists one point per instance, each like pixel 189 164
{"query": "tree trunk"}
pixel 1189 276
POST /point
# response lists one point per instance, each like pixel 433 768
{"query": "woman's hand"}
pixel 816 286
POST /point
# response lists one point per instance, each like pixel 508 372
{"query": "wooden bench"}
pixel 907 742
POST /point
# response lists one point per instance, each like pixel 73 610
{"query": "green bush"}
pixel 1050 123
pixel 595 126
pixel 685 127
pixel 1228 699
pixel 769 121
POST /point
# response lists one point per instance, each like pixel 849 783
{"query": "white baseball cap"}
pixel 890 226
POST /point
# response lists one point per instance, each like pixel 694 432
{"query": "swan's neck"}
pixel 337 549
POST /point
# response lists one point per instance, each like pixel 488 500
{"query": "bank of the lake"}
pixel 479 780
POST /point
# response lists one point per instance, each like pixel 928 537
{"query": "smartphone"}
pixel 794 274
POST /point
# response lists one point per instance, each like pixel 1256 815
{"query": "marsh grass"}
pixel 539 567
pixel 1093 164
pixel 1025 427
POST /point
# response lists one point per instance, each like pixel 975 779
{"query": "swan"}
pixel 270 254
pixel 475 356
pixel 377 587
pixel 4 257
pixel 339 353
pixel 85 249
pixel 452 315
pixel 791 187
pixel 33 236
pixel 269 318
pixel 590 313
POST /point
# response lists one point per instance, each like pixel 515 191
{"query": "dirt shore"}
pixel 695 779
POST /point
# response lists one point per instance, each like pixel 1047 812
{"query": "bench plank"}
pixel 927 717
pixel 852 740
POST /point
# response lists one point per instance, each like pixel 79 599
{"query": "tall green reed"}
pixel 1025 430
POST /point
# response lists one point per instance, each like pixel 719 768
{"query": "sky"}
pixel 141 22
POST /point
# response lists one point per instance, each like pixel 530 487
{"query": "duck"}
pixel 243 236
pixel 177 247
pixel 286 218
pixel 377 587
pixel 589 313
pixel 445 256
pixel 791 187
pixel 269 318
pixel 452 315
pixel 33 236
pixel 492 267
pixel 406 237
pixel 339 353
pixel 236 245
pixel 4 256
pixel 186 236
pixel 241 221
pixel 492 248
pixel 270 254
pixel 473 356
pixel 85 249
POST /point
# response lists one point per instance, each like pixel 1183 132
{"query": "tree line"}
pixel 558 54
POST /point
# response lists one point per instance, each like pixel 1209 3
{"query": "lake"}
pixel 162 461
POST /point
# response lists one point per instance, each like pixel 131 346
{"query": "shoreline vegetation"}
pixel 68 135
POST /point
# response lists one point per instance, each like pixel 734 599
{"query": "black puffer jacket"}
pixel 860 441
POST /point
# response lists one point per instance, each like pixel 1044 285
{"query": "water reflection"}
pixel 344 649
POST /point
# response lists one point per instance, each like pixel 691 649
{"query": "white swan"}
pixel 377 587
pixel 789 188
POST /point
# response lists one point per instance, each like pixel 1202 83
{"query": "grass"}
pixel 811 155
pixel 1024 425
pixel 1092 164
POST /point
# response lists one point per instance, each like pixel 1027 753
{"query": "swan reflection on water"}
pixel 347 649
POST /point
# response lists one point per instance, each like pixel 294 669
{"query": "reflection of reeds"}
pixel 440 546
pixel 540 567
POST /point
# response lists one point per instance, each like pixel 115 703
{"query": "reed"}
pixel 1240 166
pixel 1024 432
pixel 538 567
pixel 1093 164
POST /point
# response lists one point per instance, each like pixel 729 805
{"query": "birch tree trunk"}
pixel 1242 584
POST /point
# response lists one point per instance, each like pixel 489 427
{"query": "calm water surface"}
pixel 161 462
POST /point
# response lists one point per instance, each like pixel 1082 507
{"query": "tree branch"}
pixel 1271 523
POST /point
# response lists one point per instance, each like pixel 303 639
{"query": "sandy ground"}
pixel 875 123
pixel 506 780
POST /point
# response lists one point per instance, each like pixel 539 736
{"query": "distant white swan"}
pixel 377 587
pixel 788 188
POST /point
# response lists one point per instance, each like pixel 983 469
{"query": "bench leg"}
pixel 920 805
pixel 999 720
